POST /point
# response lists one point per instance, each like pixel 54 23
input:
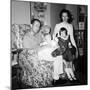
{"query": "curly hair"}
pixel 70 16
pixel 47 27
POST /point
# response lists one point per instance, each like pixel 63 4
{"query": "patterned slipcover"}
pixel 35 73
pixel 17 33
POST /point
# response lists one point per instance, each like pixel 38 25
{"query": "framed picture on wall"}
pixel 38 11
pixel 44 50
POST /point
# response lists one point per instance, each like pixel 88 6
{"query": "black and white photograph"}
pixel 48 44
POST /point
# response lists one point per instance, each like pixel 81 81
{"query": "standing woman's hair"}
pixel 70 16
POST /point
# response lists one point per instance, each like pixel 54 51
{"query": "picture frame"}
pixel 23 12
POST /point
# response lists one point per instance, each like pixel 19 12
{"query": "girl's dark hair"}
pixel 70 16
pixel 63 29
pixel 33 20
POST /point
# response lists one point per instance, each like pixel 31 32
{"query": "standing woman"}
pixel 66 20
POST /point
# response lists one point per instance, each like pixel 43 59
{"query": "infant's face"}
pixel 48 38
pixel 47 30
pixel 63 34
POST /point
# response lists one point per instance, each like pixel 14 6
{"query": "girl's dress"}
pixel 64 49
pixel 67 54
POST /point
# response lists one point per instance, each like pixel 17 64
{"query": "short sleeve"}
pixel 25 42
pixel 70 29
pixel 71 35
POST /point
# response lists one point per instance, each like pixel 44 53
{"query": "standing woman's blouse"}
pixel 69 28
pixel 60 25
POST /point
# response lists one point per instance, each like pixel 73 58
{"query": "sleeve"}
pixel 25 42
pixel 55 31
pixel 71 36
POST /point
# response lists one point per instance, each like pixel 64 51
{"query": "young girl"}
pixel 67 51
pixel 44 53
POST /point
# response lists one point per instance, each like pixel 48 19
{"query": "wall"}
pixel 20 12
pixel 73 10
pixel 54 12
pixel 48 15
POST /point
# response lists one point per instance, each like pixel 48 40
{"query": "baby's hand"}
pixel 43 43
pixel 56 39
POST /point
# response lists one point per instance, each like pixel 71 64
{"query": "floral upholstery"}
pixel 35 73
pixel 17 33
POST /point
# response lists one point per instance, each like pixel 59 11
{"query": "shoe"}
pixel 56 77
pixel 61 81
pixel 63 76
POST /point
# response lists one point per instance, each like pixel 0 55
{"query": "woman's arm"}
pixel 72 39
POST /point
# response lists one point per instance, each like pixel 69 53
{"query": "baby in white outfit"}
pixel 44 53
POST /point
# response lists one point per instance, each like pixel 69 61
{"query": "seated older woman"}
pixel 33 38
pixel 35 72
